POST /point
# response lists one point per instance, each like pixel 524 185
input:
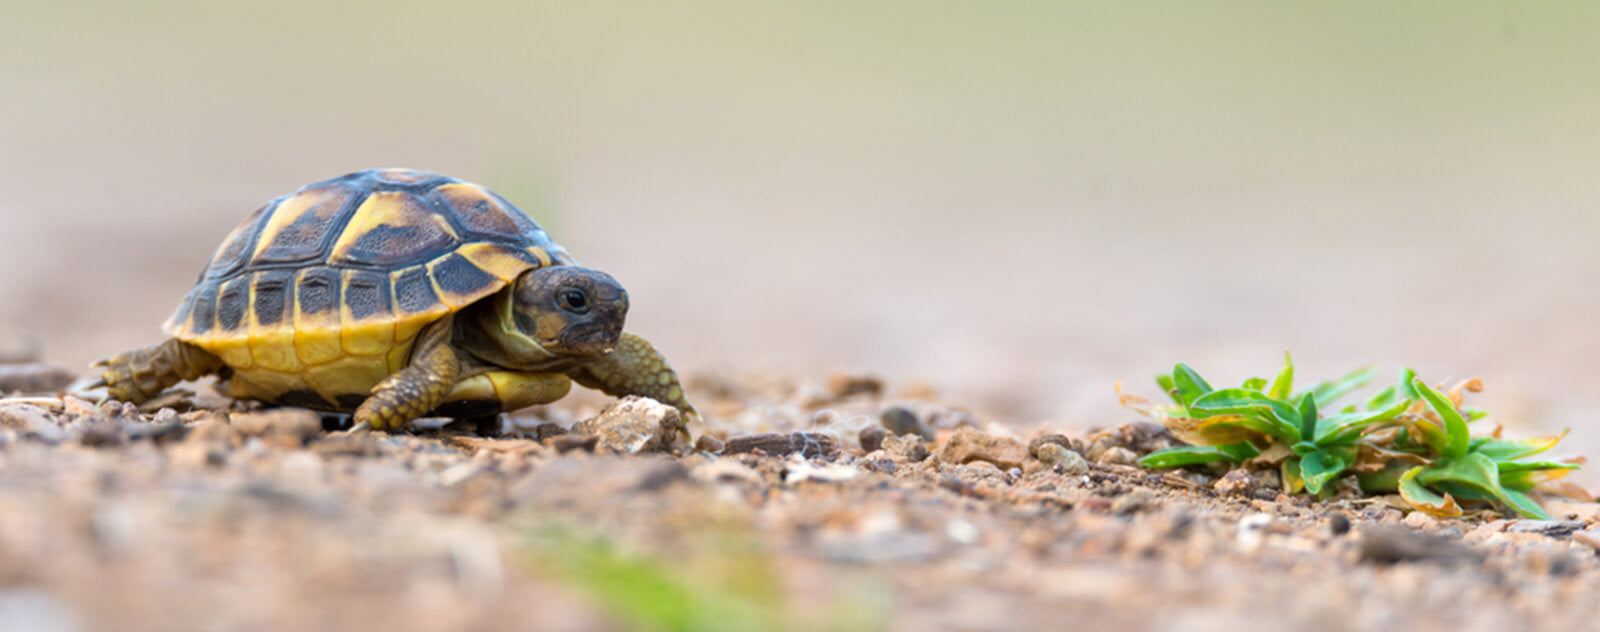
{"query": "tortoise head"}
pixel 569 310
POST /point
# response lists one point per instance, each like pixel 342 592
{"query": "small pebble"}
pixel 842 385
pixel 1130 503
pixel 900 422
pixel 633 425
pixel 807 444
pixel 1236 483
pixel 969 444
pixel 547 430
pixel 1038 444
pixel 1073 464
pixel 569 442
pixel 872 438
pixel 1553 528
pixel 708 443
pixel 280 427
pixel 1338 524
pixel 1117 455
pixel 1383 543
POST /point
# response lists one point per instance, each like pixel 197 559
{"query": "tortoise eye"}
pixel 573 300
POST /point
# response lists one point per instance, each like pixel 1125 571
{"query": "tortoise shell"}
pixel 326 288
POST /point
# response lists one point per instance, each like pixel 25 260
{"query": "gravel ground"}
pixel 832 504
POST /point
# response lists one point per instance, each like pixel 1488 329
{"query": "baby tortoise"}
pixel 397 294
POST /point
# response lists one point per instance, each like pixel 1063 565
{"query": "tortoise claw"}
pixel 359 428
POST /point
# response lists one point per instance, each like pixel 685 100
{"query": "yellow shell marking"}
pixel 501 261
pixel 295 230
pixel 392 227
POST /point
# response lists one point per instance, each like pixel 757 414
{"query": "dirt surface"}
pixel 1003 210
pixel 212 515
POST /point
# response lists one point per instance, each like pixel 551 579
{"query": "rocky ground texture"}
pixel 839 504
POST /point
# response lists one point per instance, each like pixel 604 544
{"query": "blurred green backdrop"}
pixel 1018 202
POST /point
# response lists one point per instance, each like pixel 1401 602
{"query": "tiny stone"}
pixel 808 444
pixel 1338 524
pixel 1099 448
pixel 633 425
pixel 900 421
pixel 345 444
pixel 842 385
pixel 1236 483
pixel 1049 453
pixel 1130 503
pixel 211 430
pixel 1073 464
pixel 968 445
pixel 872 438
pixel 708 443
pixel 1380 543
pixel 1038 443
pixel 548 430
pixel 569 442
pixel 909 448
pixel 1267 494
pixel 884 466
pixel 281 427
pixel 1117 455
pixel 1553 528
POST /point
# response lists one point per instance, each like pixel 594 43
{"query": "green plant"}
pixel 1408 438
pixel 725 581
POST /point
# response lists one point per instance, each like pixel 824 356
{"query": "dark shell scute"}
pixel 203 311
pixel 235 249
pixel 272 295
pixel 414 291
pixel 232 304
pixel 456 275
pixel 319 291
pixel 367 294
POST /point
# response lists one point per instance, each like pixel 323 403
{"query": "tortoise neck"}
pixel 490 333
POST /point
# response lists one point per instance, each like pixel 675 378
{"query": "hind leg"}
pixel 138 375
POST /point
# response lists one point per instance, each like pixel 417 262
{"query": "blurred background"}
pixel 1019 203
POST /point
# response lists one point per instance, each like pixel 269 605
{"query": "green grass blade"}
pixel 1182 455
pixel 1308 417
pixel 1282 419
pixel 1188 385
pixel 1283 385
pixel 1329 391
pixel 1456 433
pixel 1346 427
pixel 1408 376
pixel 1318 468
pixel 1525 505
pixel 1169 387
pixel 1507 449
pixel 1423 498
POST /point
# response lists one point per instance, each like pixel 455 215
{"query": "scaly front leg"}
pixel 416 389
pixel 635 368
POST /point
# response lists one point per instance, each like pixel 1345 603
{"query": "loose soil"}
pixel 198 513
